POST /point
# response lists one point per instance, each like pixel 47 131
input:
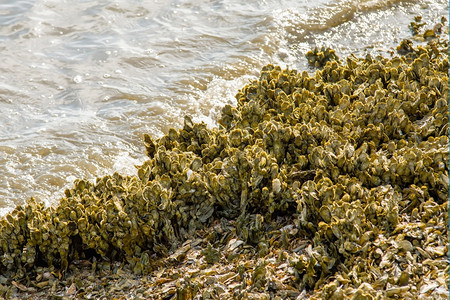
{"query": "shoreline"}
pixel 309 177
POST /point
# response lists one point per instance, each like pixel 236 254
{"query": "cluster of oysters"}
pixel 353 160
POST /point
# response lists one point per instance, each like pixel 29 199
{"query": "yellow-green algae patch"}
pixel 354 159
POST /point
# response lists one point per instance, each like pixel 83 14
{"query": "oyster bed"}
pixel 325 186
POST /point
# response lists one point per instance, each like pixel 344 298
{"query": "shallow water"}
pixel 80 84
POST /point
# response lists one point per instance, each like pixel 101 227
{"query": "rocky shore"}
pixel 325 186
